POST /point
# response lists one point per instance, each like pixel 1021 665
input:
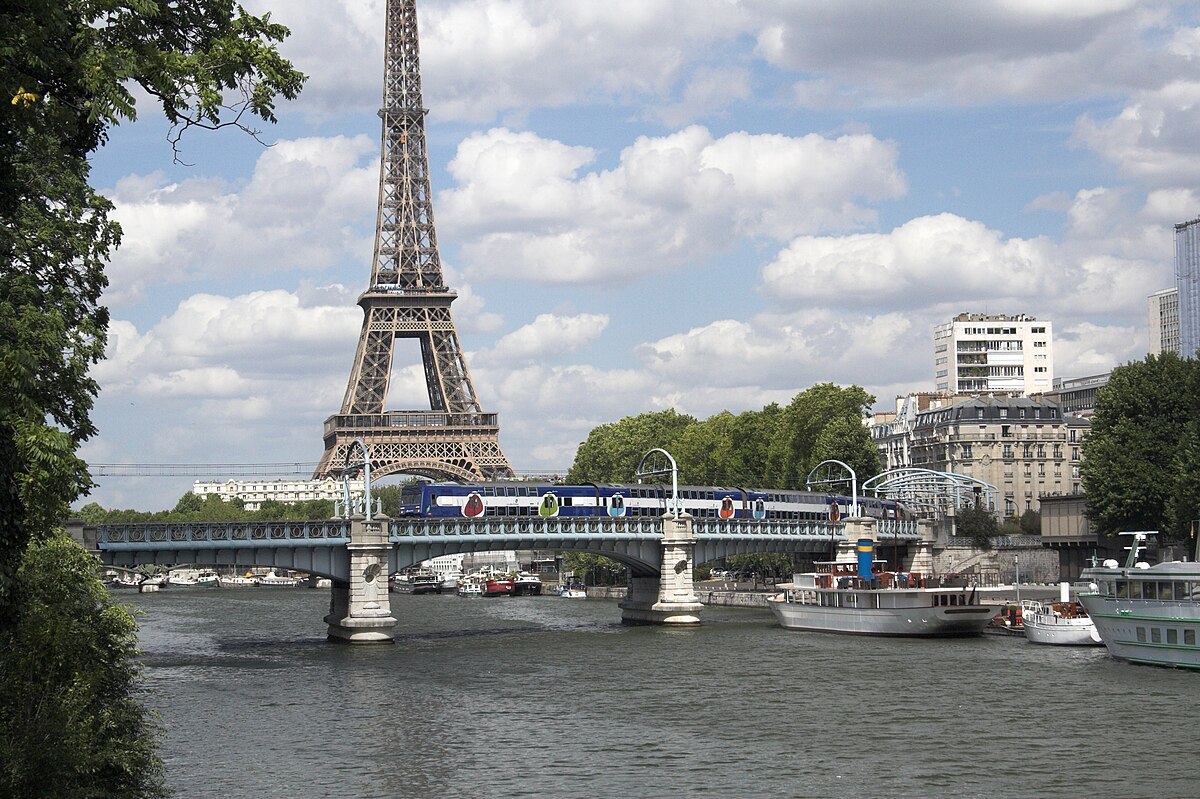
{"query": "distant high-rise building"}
pixel 1164 321
pixel 993 354
pixel 1187 281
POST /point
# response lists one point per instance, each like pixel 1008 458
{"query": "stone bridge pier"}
pixel 360 611
pixel 670 597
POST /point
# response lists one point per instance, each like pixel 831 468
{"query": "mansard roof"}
pixel 995 409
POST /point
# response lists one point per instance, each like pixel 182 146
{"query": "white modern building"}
pixel 1163 318
pixel 1187 282
pixel 993 354
pixel 255 492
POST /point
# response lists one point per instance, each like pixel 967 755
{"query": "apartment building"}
pixel 1187 283
pixel 1024 446
pixel 1163 321
pixel 992 354
pixel 255 492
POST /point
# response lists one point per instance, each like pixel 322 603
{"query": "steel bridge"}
pixel 661 553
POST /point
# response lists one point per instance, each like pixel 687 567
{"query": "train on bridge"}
pixel 519 499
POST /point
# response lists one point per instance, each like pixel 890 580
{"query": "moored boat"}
pixel 471 585
pixel 860 598
pixel 526 584
pixel 208 579
pixel 233 581
pixel 126 581
pixel 416 582
pixel 1063 623
pixel 572 591
pixel 273 580
pixel 498 586
pixel 1146 614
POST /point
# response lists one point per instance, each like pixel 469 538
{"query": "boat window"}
pixel 1141 634
pixel 1189 637
pixel 1181 591
pixel 1135 589
pixel 1172 636
pixel 1122 589
pixel 1155 635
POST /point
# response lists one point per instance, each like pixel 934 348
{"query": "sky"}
pixel 703 205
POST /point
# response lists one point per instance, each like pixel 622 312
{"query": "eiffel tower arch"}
pixel 408 298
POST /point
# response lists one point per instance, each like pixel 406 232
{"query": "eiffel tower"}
pixel 408 298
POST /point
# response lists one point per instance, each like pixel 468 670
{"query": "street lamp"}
pixel 676 509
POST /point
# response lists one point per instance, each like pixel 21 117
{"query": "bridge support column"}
pixel 360 611
pixel 671 597
pixel 857 527
pixel 922 559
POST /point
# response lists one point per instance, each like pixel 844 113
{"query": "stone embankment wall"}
pixel 1035 565
pixel 723 598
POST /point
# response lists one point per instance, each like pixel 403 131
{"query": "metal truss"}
pixel 928 491
pixel 407 298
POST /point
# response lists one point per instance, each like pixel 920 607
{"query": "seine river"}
pixel 550 697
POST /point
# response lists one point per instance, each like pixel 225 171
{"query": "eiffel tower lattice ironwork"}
pixel 408 298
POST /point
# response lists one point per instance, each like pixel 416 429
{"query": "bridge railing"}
pixel 403 529
pixel 181 533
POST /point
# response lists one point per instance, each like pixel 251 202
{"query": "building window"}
pixel 966 452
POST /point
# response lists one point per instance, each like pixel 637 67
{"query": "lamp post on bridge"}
pixel 668 597
pixel 673 471
pixel 808 482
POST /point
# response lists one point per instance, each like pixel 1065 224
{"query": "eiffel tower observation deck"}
pixel 407 298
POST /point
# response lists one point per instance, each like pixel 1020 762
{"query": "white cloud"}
pixel 926 261
pixel 549 333
pixel 880 53
pixel 671 201
pixel 307 206
pixel 1153 139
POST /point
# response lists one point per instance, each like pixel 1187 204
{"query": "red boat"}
pixel 498 586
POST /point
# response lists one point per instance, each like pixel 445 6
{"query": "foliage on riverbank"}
pixel 69 721
pixel 1141 459
pixel 776 447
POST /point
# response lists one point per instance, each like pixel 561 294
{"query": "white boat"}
pixel 181 581
pixel 126 581
pixel 245 581
pixel 208 579
pixel 420 581
pixel 470 586
pixel 1146 614
pixel 836 598
pixel 273 580
pixel 572 591
pixel 1064 622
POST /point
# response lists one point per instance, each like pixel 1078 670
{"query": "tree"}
pixel 792 450
pixel 976 523
pixel 613 451
pixel 1137 454
pixel 593 569
pixel 70 68
pixel 69 725
pixel 848 440
pixel 1031 522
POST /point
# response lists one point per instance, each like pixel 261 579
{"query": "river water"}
pixel 542 696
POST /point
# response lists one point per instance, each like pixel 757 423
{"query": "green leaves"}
pixel 69 725
pixel 771 448
pixel 1141 463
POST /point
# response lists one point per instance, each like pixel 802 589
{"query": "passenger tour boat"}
pixel 1146 614
pixel 861 598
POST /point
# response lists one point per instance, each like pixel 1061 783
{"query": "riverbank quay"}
pixel 756 597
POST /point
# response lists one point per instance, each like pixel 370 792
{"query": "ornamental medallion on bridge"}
pixel 407 298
